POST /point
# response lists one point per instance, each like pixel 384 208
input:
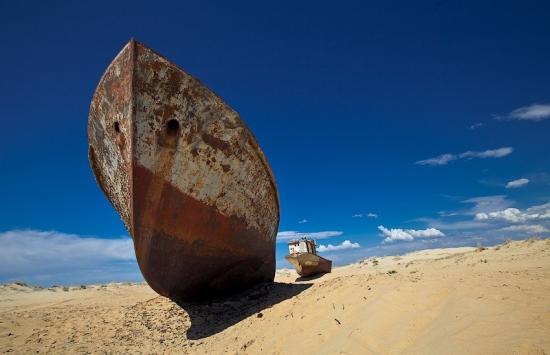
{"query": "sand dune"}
pixel 444 301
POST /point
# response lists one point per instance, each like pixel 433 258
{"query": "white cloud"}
pixel 535 112
pixel 289 235
pixel 303 221
pixel 346 244
pixel 517 183
pixel 510 215
pixel 454 226
pixel 426 233
pixel 368 215
pixel 493 217
pixel 394 234
pixel 476 125
pixel 443 159
pixel 487 204
pixel 525 228
pixel 447 214
pixel 514 215
pixel 54 257
pixel 491 153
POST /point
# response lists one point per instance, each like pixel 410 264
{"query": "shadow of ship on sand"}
pixel 214 316
pixel 309 278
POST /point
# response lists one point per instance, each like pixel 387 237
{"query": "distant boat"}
pixel 303 256
pixel 186 175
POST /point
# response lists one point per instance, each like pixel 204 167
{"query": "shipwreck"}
pixel 186 176
pixel 303 256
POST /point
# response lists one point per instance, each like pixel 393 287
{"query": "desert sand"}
pixel 441 301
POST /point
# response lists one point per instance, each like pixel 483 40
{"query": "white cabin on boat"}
pixel 303 245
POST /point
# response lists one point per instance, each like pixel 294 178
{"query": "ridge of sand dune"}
pixel 460 300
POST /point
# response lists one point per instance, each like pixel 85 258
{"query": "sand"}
pixel 444 301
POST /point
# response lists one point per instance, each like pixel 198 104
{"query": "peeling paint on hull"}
pixel 307 264
pixel 186 175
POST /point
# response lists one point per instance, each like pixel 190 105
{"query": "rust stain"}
pixel 186 176
pixel 188 247
pixel 217 143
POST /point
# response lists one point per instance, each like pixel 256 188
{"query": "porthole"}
pixel 172 127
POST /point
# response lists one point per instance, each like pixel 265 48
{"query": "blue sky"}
pixel 431 116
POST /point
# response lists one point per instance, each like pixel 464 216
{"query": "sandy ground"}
pixel 445 301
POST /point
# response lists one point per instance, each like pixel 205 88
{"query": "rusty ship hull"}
pixel 308 264
pixel 185 174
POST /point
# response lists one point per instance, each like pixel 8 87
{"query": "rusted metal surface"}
pixel 309 264
pixel 303 256
pixel 186 176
